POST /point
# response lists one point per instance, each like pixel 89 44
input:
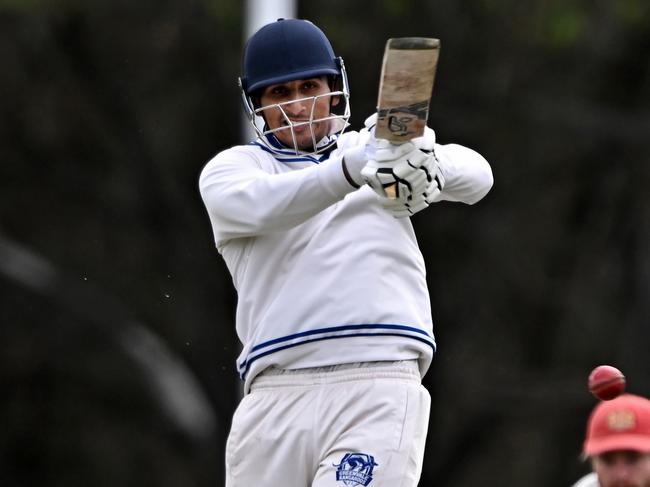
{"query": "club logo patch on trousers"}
pixel 355 469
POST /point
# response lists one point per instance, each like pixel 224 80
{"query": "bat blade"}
pixel 407 75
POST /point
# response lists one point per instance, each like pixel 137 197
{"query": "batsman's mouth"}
pixel 296 122
pixel 298 126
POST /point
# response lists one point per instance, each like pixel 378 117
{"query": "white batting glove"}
pixel 417 176
pixel 418 195
pixel 389 166
pixel 427 141
pixel 388 155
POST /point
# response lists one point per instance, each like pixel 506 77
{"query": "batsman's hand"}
pixel 411 170
pixel 387 165
pixel 417 196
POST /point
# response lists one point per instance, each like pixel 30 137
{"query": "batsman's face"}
pixel 295 108
pixel 622 468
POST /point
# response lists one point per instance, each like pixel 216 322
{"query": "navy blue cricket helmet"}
pixel 286 50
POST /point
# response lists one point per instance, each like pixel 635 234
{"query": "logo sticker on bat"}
pixel 405 120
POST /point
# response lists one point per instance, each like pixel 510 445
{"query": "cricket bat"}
pixel 407 74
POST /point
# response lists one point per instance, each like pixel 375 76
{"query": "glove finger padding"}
pixel 414 176
pixel 424 186
pixel 402 209
pixel 394 164
pixel 377 176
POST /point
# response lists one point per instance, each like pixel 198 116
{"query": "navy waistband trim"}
pixel 370 330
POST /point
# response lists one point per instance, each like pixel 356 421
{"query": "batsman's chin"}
pixel 299 136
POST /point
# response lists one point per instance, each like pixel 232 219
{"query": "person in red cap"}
pixel 618 443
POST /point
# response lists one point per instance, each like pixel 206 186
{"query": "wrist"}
pixel 354 159
pixel 347 175
pixel 332 177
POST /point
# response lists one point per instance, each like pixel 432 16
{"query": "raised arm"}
pixel 244 200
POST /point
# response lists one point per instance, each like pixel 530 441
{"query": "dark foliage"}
pixel 108 110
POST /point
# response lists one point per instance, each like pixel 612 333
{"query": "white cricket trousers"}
pixel 340 426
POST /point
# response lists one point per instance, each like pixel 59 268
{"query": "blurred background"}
pixel 117 343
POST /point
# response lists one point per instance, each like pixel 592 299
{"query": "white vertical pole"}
pixel 258 13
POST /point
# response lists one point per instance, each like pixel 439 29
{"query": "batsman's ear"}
pixel 335 83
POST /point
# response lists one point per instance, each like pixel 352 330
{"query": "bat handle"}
pixel 391 191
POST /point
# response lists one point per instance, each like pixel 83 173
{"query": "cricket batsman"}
pixel 333 310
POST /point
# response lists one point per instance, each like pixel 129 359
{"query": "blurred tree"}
pixel 108 110
pixel 545 279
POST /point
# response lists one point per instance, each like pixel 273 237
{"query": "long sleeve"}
pixel 246 196
pixel 468 176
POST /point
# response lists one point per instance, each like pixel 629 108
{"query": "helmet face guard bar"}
pixel 338 118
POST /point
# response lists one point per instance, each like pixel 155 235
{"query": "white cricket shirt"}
pixel 324 274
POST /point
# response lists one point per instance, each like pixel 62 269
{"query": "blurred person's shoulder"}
pixel 589 480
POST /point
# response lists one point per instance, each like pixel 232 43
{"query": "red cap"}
pixel 620 424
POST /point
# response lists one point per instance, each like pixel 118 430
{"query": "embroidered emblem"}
pixel 355 469
pixel 621 420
